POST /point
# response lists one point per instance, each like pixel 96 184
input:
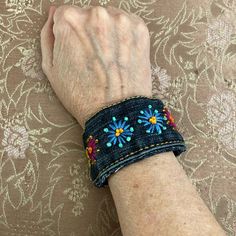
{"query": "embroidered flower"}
pixel 15 141
pixel 91 149
pixel 170 118
pixel 153 120
pixel 119 133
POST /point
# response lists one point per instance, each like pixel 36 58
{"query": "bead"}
pixel 120 145
pixel 113 118
pixel 108 144
pixel 126 118
pixel 128 139
pixel 142 112
pixel 156 111
pixel 105 130
pixel 131 129
pixel 139 121
pixel 149 106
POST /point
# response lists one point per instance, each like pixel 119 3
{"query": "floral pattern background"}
pixel 44 182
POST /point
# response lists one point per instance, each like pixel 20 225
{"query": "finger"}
pixel 87 7
pixel 64 11
pixel 47 41
pixel 77 19
pixel 117 11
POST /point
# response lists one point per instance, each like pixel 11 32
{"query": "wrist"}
pixel 126 132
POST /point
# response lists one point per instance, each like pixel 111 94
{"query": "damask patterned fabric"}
pixel 45 187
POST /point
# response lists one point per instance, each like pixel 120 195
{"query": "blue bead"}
pixel 128 139
pixel 164 128
pixel 149 106
pixel 139 121
pixel 120 145
pixel 156 111
pixel 113 118
pixel 131 129
pixel 147 131
pixel 108 144
pixel 126 118
pixel 105 130
pixel 142 112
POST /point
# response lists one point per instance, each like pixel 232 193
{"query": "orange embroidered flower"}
pixel 170 118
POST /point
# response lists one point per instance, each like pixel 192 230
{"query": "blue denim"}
pixel 126 132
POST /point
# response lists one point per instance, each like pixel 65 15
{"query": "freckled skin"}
pixel 92 58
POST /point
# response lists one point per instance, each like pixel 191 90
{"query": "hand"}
pixel 94 57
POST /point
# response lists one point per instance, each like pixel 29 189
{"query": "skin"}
pixel 94 57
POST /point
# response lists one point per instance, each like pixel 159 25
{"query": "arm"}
pixel 155 197
pixel 94 51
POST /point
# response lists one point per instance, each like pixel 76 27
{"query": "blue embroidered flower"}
pixel 153 120
pixel 119 132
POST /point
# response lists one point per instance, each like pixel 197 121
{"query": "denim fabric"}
pixel 126 132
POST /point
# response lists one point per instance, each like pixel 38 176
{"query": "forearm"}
pixel 155 197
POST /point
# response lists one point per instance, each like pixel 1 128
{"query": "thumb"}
pixel 47 41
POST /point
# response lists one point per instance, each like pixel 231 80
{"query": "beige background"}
pixel 44 187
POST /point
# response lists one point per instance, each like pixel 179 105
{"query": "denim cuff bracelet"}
pixel 128 131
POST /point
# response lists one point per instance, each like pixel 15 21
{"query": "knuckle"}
pixel 67 13
pixel 98 8
pixel 142 28
pixel 123 19
pixel 138 18
pixel 63 12
pixel 99 12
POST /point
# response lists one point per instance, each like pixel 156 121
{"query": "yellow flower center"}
pixel 119 131
pixel 153 120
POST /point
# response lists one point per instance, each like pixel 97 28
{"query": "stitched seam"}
pixel 141 149
pixel 125 99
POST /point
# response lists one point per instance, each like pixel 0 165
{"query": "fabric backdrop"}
pixel 44 185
